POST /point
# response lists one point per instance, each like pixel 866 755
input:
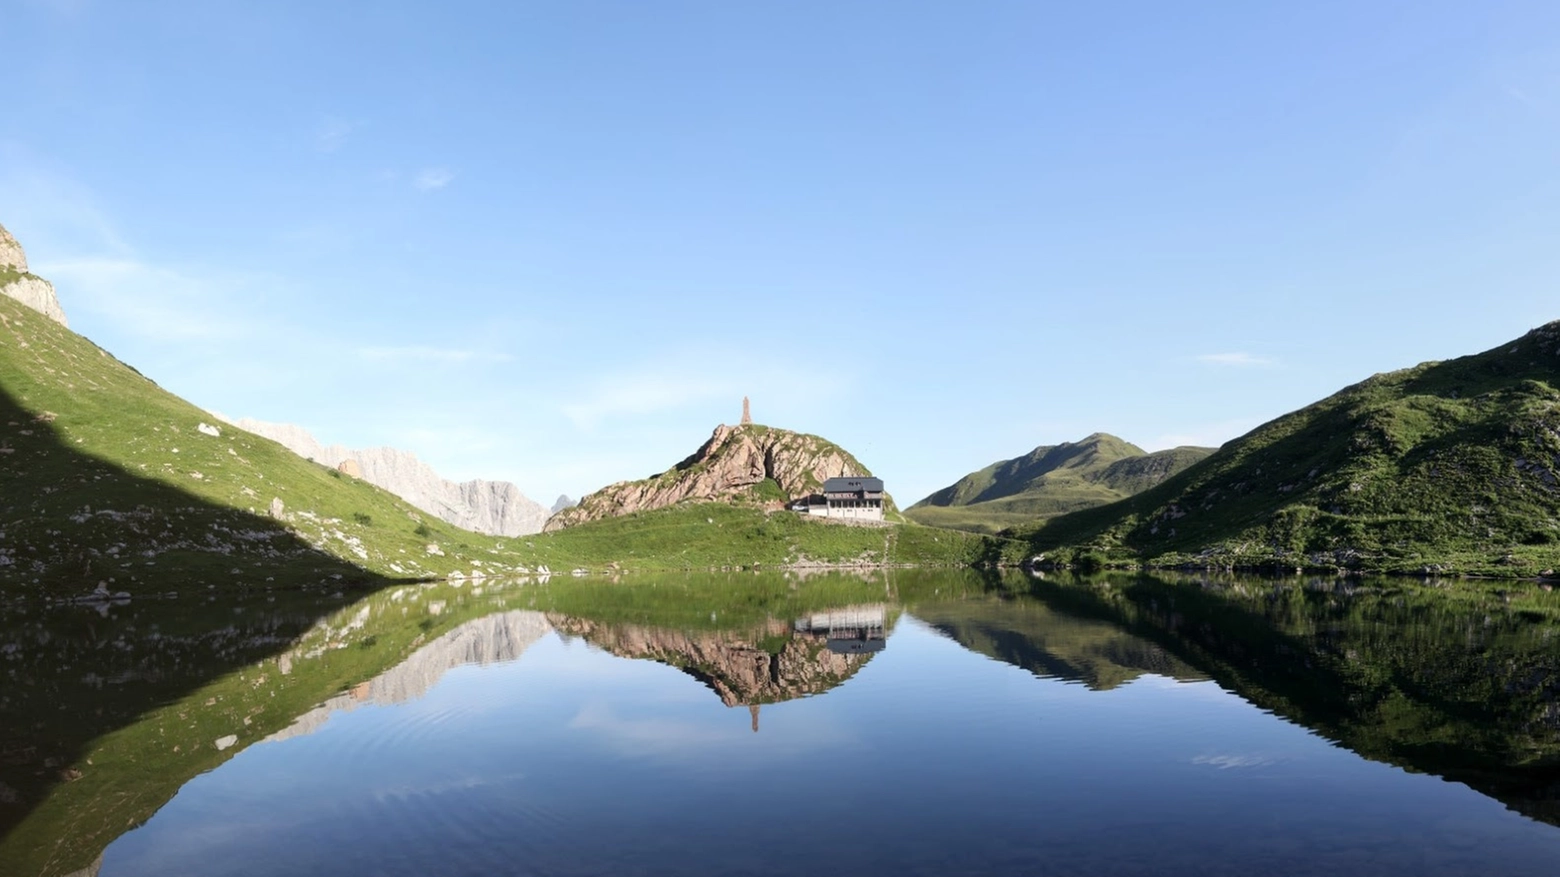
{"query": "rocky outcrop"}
pixel 730 663
pixel 496 508
pixel 11 253
pixel 18 283
pixel 735 461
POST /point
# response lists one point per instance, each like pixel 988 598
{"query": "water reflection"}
pixel 1454 682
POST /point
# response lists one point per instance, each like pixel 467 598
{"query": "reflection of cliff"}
pixel 494 638
pixel 768 665
pixel 1028 634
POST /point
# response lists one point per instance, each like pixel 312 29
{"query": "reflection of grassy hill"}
pixel 1459 684
pixel 1031 635
pixel 116 713
pixel 1453 464
pixel 1050 481
pixel 108 716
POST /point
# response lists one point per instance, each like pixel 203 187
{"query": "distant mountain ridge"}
pixel 1051 480
pixel 1444 467
pixel 495 508
pixel 747 462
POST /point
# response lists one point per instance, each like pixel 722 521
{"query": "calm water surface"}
pixel 913 724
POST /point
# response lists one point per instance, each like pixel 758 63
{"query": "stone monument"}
pixel 747 413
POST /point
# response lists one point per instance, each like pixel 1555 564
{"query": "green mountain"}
pixel 1051 480
pixel 1445 467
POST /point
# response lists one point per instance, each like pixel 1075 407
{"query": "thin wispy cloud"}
pixel 333 133
pixel 1237 360
pixel 1206 435
pixel 432 178
pixel 426 354
pixel 669 387
pixel 1226 762
pixel 155 302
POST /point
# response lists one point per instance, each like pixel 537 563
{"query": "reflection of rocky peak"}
pixel 730 465
pixel 27 288
pixel 732 663
pixel 503 636
pixel 497 508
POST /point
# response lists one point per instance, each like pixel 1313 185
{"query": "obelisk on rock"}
pixel 747 412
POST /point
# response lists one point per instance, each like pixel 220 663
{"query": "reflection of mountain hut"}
pixel 851 497
pixel 850 630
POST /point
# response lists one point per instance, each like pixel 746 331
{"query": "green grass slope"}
pixel 1049 481
pixel 1445 467
pixel 107 478
pixel 705 535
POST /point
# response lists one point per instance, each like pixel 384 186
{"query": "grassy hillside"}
pixel 700 535
pixel 1050 481
pixel 1445 467
pixel 106 479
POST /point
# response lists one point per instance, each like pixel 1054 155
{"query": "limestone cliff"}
pixel 732 465
pixel 496 508
pixel 28 288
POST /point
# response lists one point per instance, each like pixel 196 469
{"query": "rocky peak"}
pixel 563 502
pixel 11 254
pixel 18 283
pixel 735 461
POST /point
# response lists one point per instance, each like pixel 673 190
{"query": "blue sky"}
pixel 556 243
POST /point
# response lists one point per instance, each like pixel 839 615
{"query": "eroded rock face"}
pixel 11 253
pixel 734 460
pixel 27 288
pixel 730 663
pixel 496 508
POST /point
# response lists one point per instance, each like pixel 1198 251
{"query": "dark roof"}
pixel 850 484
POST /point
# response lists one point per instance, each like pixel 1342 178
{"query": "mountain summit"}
pixel 1051 480
pixel 745 462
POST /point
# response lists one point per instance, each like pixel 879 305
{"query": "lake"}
pixel 894 723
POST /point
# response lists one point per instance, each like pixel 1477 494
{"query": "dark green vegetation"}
pixel 1050 481
pixel 1447 467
